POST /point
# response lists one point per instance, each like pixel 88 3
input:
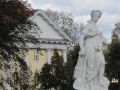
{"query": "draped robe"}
pixel 89 71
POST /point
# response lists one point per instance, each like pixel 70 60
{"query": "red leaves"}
pixel 15 11
pixel 17 1
pixel 25 10
pixel 7 19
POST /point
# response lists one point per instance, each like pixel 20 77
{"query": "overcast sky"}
pixel 81 9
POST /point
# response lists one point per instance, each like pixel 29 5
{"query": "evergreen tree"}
pixel 52 75
pixel 113 62
pixel 72 58
pixel 59 75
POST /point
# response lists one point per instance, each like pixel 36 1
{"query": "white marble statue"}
pixel 89 71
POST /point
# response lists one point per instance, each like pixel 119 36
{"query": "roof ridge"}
pixel 39 11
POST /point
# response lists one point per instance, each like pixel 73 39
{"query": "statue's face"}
pixel 95 18
pixel 95 15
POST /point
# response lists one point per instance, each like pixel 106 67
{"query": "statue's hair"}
pixel 94 12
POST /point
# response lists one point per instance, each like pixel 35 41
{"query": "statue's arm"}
pixel 83 34
pixel 81 42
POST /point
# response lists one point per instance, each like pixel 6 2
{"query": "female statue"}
pixel 89 71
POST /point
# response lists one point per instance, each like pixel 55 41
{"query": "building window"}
pixel 35 54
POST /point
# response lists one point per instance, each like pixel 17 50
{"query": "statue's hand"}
pixel 98 47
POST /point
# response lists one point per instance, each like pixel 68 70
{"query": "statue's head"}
pixel 95 15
